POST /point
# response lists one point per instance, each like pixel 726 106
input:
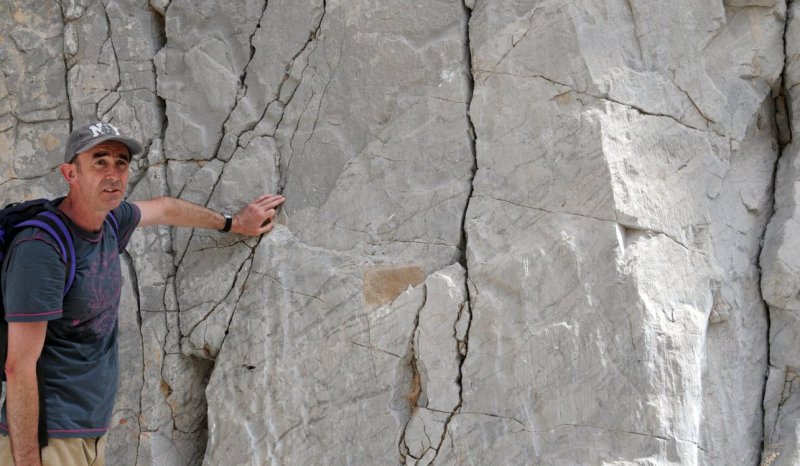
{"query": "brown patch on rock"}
pixel 415 390
pixel 51 142
pixel 564 98
pixel 383 284
pixel 166 390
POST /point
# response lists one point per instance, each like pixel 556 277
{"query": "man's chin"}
pixel 112 202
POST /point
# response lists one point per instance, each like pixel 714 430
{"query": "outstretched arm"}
pixel 254 219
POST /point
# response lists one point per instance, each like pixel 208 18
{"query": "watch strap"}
pixel 228 223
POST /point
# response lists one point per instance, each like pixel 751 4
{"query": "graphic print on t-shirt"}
pixel 102 283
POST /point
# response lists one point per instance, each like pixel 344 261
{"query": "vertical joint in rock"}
pixel 66 68
pixel 134 278
pixel 783 124
pixel 312 37
pixel 416 389
pixel 462 346
pixel 248 262
pixel 243 76
pixel 126 259
pixel 414 392
pixel 462 343
pixel 470 127
pixel 780 93
pixel 160 41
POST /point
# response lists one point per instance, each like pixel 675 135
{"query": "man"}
pixel 76 334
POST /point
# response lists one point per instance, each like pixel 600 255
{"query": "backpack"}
pixel 13 219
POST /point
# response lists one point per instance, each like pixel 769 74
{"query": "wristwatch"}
pixel 228 223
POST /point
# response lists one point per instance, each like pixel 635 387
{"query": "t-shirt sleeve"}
pixel 128 217
pixel 33 282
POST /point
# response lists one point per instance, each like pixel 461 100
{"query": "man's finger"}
pixel 274 203
pixel 261 198
pixel 266 228
pixel 271 205
pixel 268 198
pixel 269 216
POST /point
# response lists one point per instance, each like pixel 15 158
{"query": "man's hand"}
pixel 256 218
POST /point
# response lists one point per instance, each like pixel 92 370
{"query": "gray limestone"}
pixel 516 232
pixel 618 301
pixel 780 261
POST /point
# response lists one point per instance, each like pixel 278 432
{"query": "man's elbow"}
pixel 154 211
pixel 20 369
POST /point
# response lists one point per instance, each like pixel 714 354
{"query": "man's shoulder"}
pixel 33 234
pixel 36 240
pixel 127 217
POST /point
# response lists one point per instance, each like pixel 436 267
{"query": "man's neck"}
pixel 86 219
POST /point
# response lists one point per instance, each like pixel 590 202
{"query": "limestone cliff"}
pixel 516 231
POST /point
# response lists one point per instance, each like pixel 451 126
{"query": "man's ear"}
pixel 68 171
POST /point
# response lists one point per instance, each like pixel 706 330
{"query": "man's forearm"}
pixel 25 341
pixel 165 210
pixel 22 405
pixel 252 220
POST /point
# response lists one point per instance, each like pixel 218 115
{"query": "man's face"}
pixel 101 175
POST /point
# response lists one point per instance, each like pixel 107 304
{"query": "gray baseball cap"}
pixel 92 134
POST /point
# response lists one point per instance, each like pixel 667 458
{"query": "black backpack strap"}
pixel 42 408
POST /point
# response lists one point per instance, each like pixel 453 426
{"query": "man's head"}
pixel 96 166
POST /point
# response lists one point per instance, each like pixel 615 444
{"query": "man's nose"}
pixel 112 174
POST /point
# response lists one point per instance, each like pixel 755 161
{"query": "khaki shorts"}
pixel 63 452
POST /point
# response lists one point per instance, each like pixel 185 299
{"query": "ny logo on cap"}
pixel 103 128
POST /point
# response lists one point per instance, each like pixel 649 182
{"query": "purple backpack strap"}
pixel 55 227
pixel 114 224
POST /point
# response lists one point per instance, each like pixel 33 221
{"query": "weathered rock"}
pixel 384 368
pixel 609 255
pixel 623 154
pixel 345 161
pixel 31 51
pixel 200 71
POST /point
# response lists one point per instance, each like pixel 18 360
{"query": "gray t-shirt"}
pixel 80 355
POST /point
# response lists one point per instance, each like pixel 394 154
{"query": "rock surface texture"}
pixel 516 231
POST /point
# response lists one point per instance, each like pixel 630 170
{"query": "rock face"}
pixel 613 233
pixel 516 232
